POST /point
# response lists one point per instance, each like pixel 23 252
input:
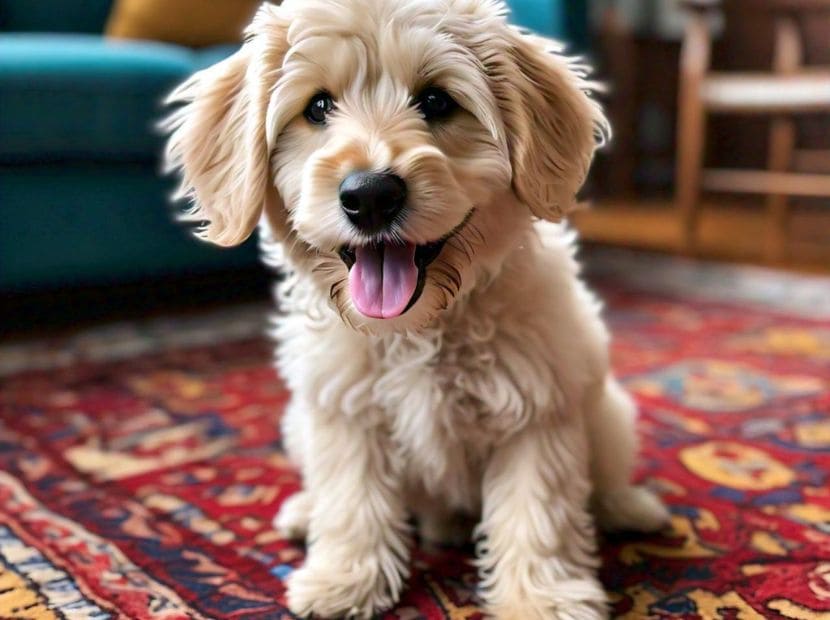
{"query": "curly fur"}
pixel 492 397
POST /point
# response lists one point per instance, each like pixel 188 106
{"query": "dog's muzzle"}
pixel 387 278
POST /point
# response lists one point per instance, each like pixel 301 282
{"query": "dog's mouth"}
pixel 387 278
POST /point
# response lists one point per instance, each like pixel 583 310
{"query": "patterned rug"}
pixel 140 467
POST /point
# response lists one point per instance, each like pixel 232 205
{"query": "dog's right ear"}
pixel 217 136
pixel 553 124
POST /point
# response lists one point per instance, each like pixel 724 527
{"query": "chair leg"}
pixel 787 57
pixel 691 142
pixel 781 149
pixel 691 126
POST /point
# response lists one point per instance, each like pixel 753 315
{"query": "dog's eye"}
pixel 435 103
pixel 318 108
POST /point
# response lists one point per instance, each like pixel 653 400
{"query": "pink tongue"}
pixel 383 279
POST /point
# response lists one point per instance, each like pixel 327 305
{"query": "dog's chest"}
pixel 446 399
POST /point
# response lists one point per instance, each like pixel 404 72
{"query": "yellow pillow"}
pixel 195 23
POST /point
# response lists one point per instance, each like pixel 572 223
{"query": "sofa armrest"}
pixel 87 16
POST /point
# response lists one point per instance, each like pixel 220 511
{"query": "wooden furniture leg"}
pixel 691 134
pixel 782 136
pixel 781 147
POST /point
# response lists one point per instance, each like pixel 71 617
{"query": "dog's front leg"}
pixel 538 553
pixel 358 539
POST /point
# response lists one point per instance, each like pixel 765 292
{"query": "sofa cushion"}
pixel 194 23
pixel 207 56
pixel 87 223
pixel 83 97
pixel 54 15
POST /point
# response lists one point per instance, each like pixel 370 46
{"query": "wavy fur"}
pixel 491 399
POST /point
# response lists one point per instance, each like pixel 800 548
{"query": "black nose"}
pixel 372 200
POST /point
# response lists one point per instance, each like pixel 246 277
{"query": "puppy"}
pixel 408 162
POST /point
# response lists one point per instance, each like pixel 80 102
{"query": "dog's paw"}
pixel 353 591
pixel 573 599
pixel 631 508
pixel 293 517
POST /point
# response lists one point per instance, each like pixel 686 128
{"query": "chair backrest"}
pixel 797 6
pixel 769 9
pixel 747 43
pixel 54 15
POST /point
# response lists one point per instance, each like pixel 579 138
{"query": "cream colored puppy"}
pixel 407 162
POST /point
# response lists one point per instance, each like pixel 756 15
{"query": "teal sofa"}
pixel 81 200
pixel 561 19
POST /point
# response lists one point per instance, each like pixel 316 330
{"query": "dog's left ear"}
pixel 553 125
pixel 218 136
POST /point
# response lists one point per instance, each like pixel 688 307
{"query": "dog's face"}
pixel 398 147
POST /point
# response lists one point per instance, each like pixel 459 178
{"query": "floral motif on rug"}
pixel 143 486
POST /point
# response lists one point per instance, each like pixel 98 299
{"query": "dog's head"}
pixel 397 147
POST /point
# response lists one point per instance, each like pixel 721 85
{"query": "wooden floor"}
pixel 733 232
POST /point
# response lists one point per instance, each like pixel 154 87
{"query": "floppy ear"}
pixel 553 125
pixel 217 137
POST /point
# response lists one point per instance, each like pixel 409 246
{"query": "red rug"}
pixel 142 485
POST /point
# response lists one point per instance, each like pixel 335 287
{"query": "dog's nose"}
pixel 372 200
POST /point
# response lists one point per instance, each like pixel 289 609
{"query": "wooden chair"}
pixel 789 89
